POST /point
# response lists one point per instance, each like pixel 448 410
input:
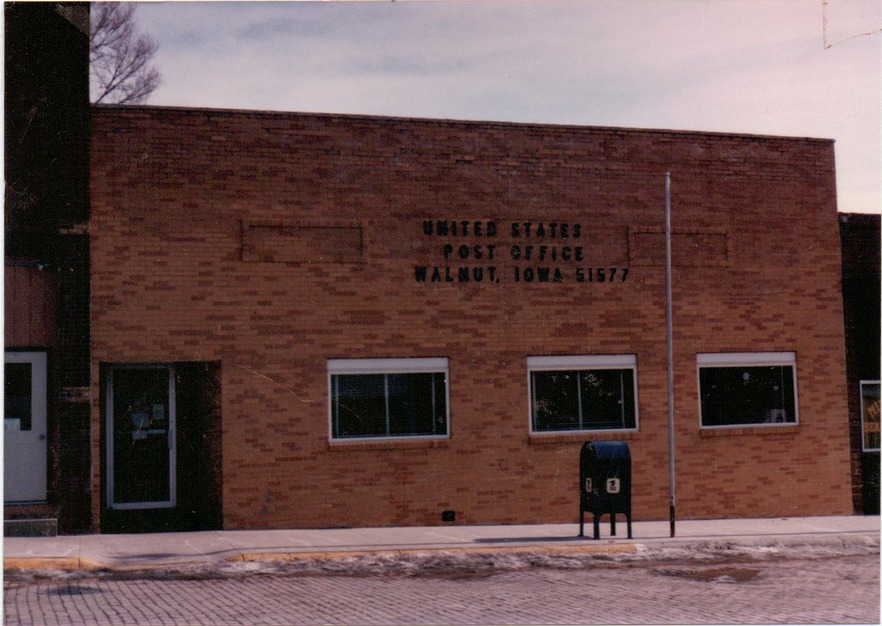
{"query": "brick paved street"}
pixel 837 589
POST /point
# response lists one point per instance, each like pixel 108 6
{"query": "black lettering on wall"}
pixel 547 256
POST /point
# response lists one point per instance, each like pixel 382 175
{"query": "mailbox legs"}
pixel 596 520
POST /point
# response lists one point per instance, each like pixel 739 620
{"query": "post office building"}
pixel 320 320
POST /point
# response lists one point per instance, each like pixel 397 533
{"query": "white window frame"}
pixel 433 365
pixel 748 359
pixel 581 362
pixel 863 437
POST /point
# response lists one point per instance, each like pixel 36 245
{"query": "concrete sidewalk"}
pixel 146 551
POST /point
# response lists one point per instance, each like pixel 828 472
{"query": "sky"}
pixel 806 68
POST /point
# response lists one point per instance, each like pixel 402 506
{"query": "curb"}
pixel 75 563
pixel 852 539
pixel 305 556
pixel 62 563
pixel 72 564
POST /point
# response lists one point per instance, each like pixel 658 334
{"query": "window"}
pixel 870 414
pixel 388 398
pixel 17 397
pixel 747 389
pixel 578 393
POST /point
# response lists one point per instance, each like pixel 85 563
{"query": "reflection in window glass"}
pixel 389 405
pixel 359 405
pixel 582 399
pixel 747 395
pixel 141 410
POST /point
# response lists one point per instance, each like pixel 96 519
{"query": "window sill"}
pixel 392 444
pixel 736 431
pixel 536 439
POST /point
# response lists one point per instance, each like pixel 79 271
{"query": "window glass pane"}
pixel 141 409
pixel 439 381
pixel 413 404
pixel 608 398
pixel 17 398
pixel 739 395
pixel 393 405
pixel 870 410
pixel 359 405
pixel 589 399
pixel 555 400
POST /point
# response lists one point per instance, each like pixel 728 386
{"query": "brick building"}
pixel 305 320
pixel 46 268
pixel 860 235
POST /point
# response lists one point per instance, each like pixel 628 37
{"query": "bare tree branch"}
pixel 119 56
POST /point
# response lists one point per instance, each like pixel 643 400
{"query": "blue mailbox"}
pixel 604 483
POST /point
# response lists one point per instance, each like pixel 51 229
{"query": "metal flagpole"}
pixel 670 344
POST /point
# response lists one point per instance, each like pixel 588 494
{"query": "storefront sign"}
pixel 518 251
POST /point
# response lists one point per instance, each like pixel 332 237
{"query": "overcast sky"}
pixel 745 66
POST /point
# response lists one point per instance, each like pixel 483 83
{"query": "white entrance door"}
pixel 24 421
pixel 141 437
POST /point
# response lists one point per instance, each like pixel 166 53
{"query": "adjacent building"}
pixel 47 426
pixel 860 290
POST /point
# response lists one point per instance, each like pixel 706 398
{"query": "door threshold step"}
pixel 45 527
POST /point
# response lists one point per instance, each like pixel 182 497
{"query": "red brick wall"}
pixel 273 242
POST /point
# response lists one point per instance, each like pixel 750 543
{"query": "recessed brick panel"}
pixel 694 249
pixel 291 243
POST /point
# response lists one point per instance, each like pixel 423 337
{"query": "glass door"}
pixel 141 437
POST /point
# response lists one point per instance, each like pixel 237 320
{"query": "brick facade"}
pixel 270 243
